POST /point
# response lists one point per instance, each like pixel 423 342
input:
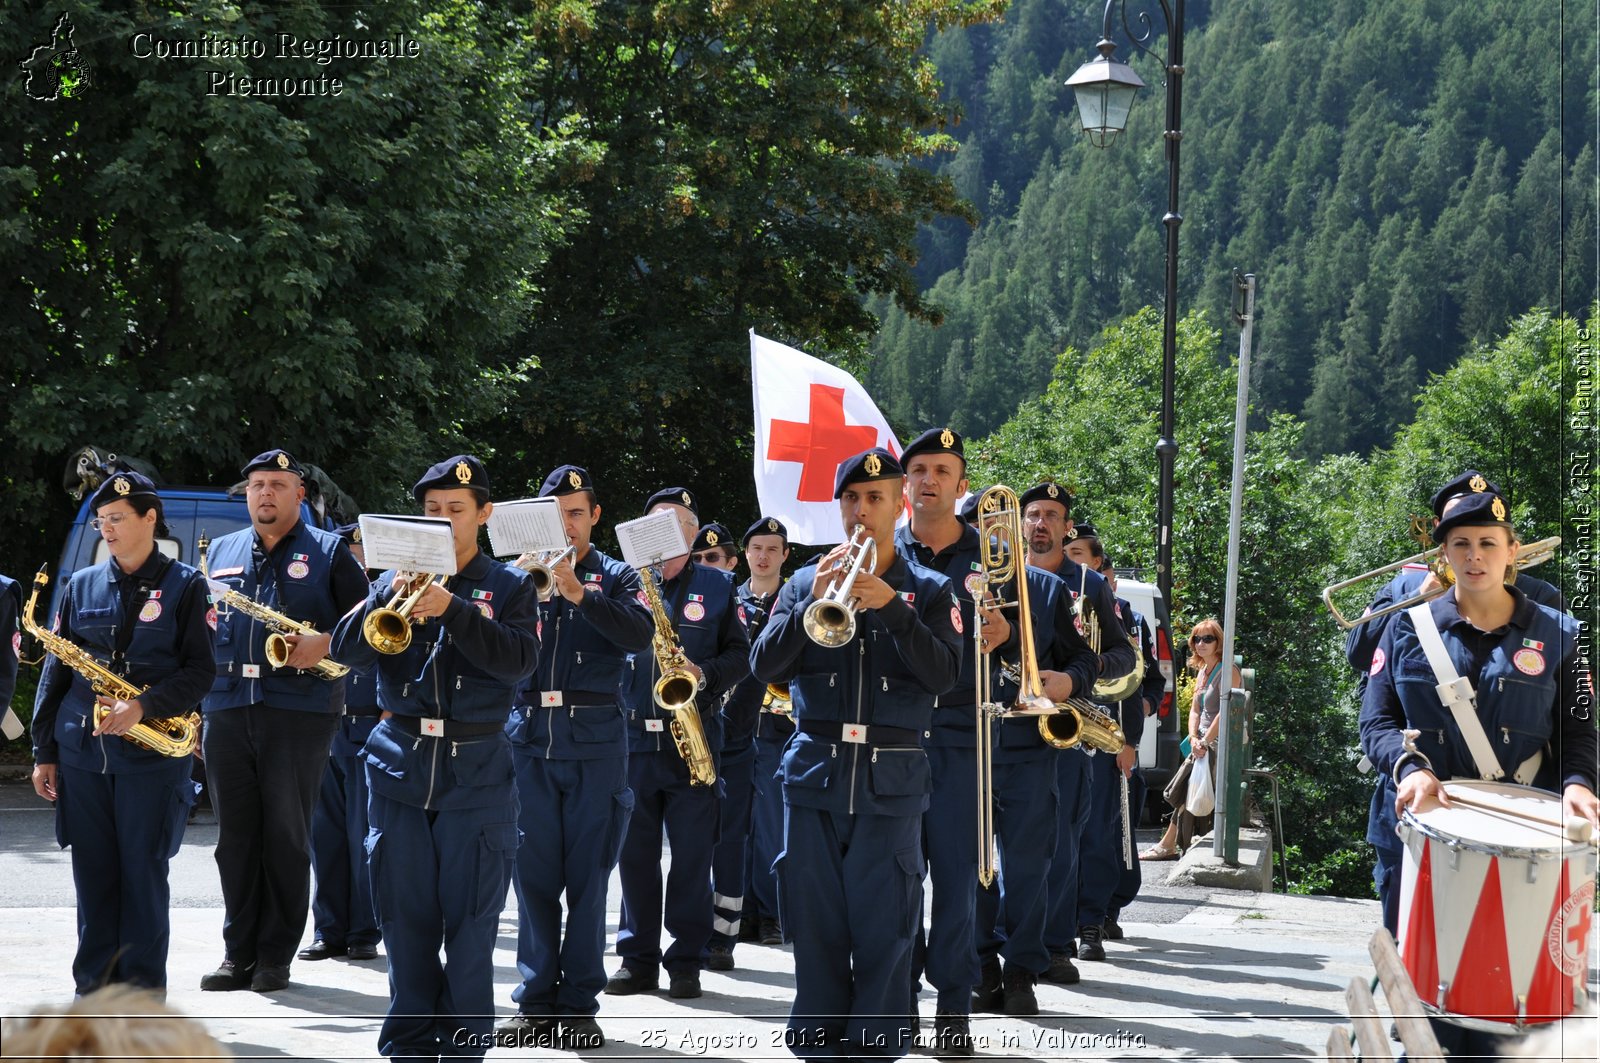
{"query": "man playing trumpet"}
pixel 866 640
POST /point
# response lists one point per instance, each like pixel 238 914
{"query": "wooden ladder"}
pixel 1369 1036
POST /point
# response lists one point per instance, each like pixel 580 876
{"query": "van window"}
pixel 166 546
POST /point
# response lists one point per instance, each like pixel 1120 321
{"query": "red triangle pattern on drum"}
pixel 1482 989
pixel 1420 950
pixel 1550 992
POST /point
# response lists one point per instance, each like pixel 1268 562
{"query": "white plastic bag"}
pixel 1202 795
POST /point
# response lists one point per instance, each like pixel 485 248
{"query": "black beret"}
pixel 350 533
pixel 1476 510
pixel 869 465
pixel 1049 491
pixel 766 526
pixel 274 461
pixel 566 480
pixel 969 508
pixel 710 536
pixel 935 441
pixel 678 496
pixel 1470 482
pixel 128 485
pixel 451 474
pixel 1085 530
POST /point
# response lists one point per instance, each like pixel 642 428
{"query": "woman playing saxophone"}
pixel 121 805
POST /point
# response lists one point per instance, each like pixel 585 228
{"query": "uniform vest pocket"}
pixel 900 771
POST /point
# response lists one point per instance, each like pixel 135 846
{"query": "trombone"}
pixel 388 630
pixel 538 565
pixel 830 621
pixel 1527 557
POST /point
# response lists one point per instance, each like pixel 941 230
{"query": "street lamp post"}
pixel 1105 90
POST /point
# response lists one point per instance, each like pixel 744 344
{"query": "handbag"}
pixel 1177 791
pixel 1202 800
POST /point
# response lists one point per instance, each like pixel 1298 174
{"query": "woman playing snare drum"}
pixel 1534 695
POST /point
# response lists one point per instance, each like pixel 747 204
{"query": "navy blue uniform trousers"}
pixel 342 910
pixel 123 830
pixel 663 797
pixel 949 955
pixel 1073 797
pixel 730 863
pixel 1011 918
pixel 574 814
pixel 766 822
pixel 1100 865
pixel 449 866
pixel 848 890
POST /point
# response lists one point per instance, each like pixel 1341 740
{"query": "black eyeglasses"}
pixel 1205 638
pixel 709 557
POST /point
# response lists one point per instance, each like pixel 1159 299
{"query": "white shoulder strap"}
pixel 1456 692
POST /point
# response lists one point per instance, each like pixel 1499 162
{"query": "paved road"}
pixel 1202 975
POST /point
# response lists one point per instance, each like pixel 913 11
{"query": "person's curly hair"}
pixel 116 1022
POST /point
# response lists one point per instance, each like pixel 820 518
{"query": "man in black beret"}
pixel 698 605
pixel 570 748
pixel 714 547
pixel 268 730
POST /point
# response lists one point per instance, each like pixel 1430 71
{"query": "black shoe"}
pixel 229 976
pixel 526 1031
pixel 1062 971
pixel 320 950
pixel 1018 987
pixel 719 958
pixel 1089 945
pixel 685 986
pixel 364 950
pixel 952 1036
pixel 580 1033
pixel 1111 928
pixel 270 979
pixel 750 930
pixel 990 994
pixel 771 933
pixel 627 982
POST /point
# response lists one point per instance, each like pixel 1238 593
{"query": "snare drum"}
pixel 1495 910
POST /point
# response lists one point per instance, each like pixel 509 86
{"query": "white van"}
pixel 1158 750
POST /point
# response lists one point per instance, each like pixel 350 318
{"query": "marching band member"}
pixel 1024 784
pixel 699 602
pixel 571 749
pixel 443 834
pixel 122 807
pixel 10 609
pixel 268 730
pixel 766 550
pixel 343 915
pixel 855 777
pixel 1047 519
pixel 938 540
pixel 714 547
pixel 1100 864
pixel 1527 717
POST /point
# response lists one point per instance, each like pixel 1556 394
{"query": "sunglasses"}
pixel 710 557
pixel 1205 638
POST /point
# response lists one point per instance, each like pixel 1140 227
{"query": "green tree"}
pixel 197 277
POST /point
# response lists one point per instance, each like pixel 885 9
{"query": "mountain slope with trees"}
pixel 1404 178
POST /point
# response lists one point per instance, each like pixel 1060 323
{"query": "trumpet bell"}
pixel 829 624
pixel 387 630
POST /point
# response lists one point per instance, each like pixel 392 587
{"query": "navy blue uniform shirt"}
pixel 742 710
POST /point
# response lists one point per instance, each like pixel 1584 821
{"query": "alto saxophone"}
pixel 172 736
pixel 278 647
pixel 676 689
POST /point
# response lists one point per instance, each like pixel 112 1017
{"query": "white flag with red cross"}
pixel 810 416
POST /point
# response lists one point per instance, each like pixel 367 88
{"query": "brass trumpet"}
pixel 777 699
pixel 538 564
pixel 1527 557
pixel 388 630
pixel 831 620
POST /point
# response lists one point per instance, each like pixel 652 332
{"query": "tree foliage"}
pixel 1404 178
pixel 198 277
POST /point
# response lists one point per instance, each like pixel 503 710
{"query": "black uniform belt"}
pixel 573 699
pixel 860 733
pixel 366 710
pixel 419 725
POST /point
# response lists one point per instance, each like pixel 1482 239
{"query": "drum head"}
pixel 1500 829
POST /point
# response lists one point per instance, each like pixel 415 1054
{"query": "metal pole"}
pixel 1225 830
pixel 1167 446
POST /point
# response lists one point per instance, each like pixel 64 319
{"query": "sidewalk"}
pixel 1202 974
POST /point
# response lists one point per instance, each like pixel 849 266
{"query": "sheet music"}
pixel 409 544
pixel 526 524
pixel 651 540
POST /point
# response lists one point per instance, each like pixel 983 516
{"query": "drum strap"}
pixel 1458 696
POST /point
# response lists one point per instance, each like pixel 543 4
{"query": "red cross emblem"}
pixel 854 733
pixel 820 444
